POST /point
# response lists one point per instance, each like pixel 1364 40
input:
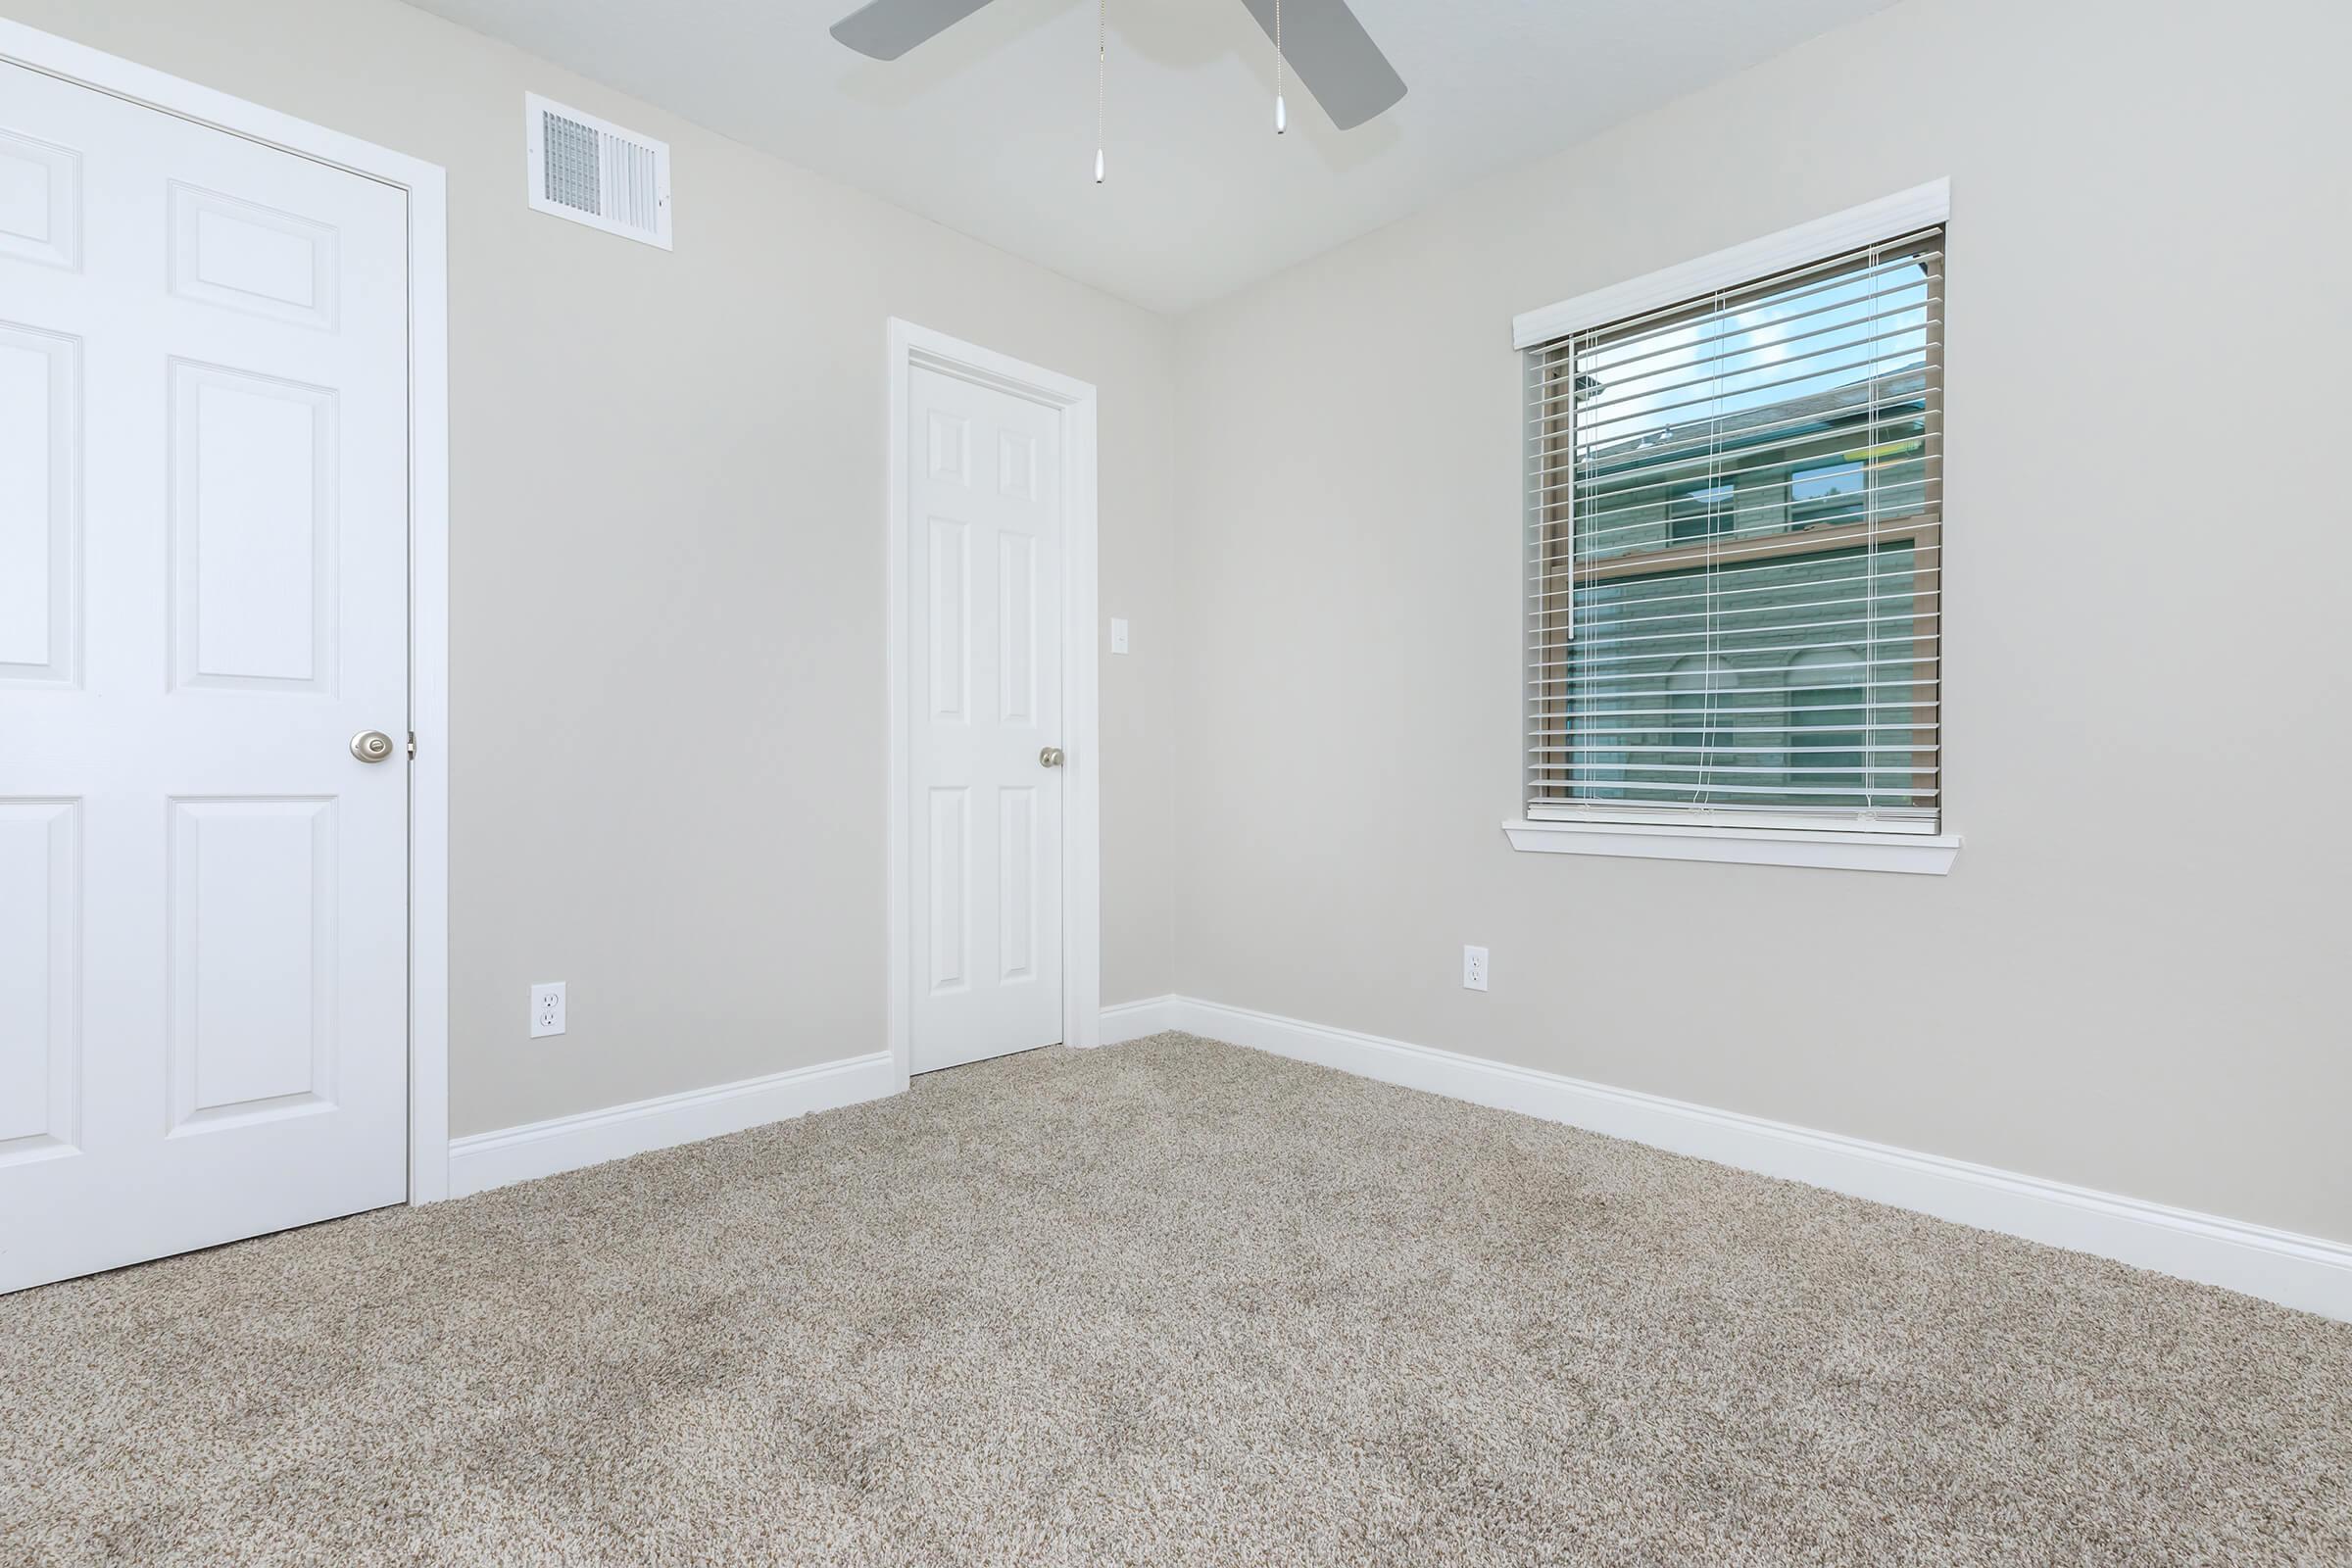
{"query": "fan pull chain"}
pixel 1101 68
pixel 1282 115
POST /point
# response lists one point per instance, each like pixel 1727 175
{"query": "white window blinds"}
pixel 1735 553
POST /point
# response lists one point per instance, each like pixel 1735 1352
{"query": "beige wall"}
pixel 667 562
pixel 667 566
pixel 2133 979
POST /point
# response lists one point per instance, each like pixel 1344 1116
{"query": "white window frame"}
pixel 1687 835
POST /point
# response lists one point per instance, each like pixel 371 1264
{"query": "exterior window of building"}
pixel 1706 510
pixel 1737 553
pixel 1836 492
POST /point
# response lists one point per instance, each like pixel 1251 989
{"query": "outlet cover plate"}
pixel 1473 968
pixel 547 1009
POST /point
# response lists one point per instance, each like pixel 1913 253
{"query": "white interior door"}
pixel 985 527
pixel 204 489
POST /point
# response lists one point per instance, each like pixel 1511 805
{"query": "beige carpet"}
pixel 1167 1302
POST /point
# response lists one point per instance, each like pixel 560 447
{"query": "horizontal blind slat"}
pixel 1857 791
pixel 1559 386
pixel 1604 433
pixel 1648 713
pixel 1600 721
pixel 1671 462
pixel 1761 552
pixel 1719 609
pixel 1922 250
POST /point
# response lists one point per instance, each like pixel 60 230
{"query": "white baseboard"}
pixel 485 1161
pixel 2298 1271
pixel 1132 1020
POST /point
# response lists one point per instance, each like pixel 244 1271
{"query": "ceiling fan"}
pixel 1321 39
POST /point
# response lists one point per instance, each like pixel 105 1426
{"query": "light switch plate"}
pixel 1118 635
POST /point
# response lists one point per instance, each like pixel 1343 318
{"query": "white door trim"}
pixel 428 524
pixel 1082 800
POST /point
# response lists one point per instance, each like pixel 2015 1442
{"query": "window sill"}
pixel 1921 855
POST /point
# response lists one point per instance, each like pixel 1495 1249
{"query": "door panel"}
pixel 39 518
pixel 40 1033
pixel 252 980
pixel 948 855
pixel 40 200
pixel 985 529
pixel 253 530
pixel 1018 892
pixel 203 597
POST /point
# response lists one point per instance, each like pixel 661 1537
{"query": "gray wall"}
pixel 2131 980
pixel 666 562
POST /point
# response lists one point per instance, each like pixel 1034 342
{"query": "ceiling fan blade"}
pixel 887 28
pixel 1334 57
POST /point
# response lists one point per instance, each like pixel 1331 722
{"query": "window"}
pixel 1737 537
pixel 1835 493
pixel 1696 513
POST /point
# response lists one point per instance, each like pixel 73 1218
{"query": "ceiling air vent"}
pixel 594 173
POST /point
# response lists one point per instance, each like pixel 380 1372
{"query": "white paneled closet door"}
pixel 204 497
pixel 985 527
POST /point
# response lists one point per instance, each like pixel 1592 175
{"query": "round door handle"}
pixel 1051 757
pixel 371 746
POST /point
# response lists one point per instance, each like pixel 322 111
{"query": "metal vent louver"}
pixel 592 172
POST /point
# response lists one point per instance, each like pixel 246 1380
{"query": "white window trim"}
pixel 1919 853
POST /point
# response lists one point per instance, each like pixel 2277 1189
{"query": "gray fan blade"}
pixel 888 28
pixel 1334 57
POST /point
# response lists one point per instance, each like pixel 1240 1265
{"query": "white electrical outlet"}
pixel 1473 968
pixel 547 1009
pixel 1118 635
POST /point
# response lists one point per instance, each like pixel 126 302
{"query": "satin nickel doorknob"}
pixel 371 746
pixel 1051 757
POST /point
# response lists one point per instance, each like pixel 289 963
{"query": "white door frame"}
pixel 912 346
pixel 428 524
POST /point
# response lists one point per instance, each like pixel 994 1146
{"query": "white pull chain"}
pixel 1282 115
pixel 1102 67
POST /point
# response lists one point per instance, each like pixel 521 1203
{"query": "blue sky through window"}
pixel 1812 337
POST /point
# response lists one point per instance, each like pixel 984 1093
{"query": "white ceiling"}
pixel 989 127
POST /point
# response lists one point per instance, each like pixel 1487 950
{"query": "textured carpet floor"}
pixel 1168 1303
